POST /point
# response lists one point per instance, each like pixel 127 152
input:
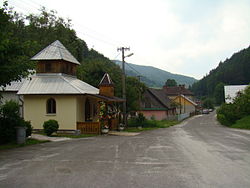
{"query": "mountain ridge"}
pixel 154 77
pixel 233 71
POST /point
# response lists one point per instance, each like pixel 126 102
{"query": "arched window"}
pixel 51 106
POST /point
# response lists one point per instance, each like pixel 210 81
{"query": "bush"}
pixel 9 119
pixel 27 124
pixel 138 121
pixel 228 114
pixel 243 123
pixel 50 127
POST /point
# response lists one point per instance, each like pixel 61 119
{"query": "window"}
pixel 51 106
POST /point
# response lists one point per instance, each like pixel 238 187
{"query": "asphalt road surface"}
pixel 196 153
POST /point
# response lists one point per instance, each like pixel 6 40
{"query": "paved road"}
pixel 196 153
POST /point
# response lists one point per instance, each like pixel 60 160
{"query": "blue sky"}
pixel 188 37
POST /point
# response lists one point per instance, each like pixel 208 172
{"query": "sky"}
pixel 188 37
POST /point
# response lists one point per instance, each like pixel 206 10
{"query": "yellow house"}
pixel 184 105
pixel 54 92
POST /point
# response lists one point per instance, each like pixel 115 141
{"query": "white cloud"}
pixel 186 37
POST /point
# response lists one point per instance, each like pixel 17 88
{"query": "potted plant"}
pixel 121 127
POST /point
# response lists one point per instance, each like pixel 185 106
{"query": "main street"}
pixel 196 153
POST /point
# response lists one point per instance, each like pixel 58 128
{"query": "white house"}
pixel 231 92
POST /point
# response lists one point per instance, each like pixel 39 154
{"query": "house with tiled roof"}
pixel 156 104
pixel 167 102
pixel 174 91
pixel 54 92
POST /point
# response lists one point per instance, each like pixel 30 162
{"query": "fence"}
pixel 89 127
pixel 181 117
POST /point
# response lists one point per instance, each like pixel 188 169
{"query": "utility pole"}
pixel 139 78
pixel 122 49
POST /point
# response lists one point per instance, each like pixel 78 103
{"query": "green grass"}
pixel 68 135
pixel 28 142
pixel 74 136
pixel 152 124
pixel 243 123
pixel 135 129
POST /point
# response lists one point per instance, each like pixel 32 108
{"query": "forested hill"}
pixel 154 77
pixel 233 71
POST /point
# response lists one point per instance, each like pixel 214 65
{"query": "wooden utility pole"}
pixel 139 78
pixel 122 49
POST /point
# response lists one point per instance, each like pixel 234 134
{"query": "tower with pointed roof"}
pixel 55 58
pixel 106 86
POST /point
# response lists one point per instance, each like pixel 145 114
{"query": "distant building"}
pixel 186 105
pixel 173 92
pixel 156 104
pixel 231 92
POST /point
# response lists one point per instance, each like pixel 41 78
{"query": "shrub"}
pixel 228 114
pixel 243 123
pixel 132 122
pixel 28 126
pixel 50 127
pixel 140 120
pixel 9 119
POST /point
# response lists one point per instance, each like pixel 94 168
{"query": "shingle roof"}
pixel 156 98
pixel 160 96
pixel 55 51
pixel 56 84
pixel 106 80
pixel 177 90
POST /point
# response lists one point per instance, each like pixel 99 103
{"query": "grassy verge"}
pixel 243 123
pixel 28 142
pixel 152 124
pixel 68 135
pixel 74 136
pixel 135 129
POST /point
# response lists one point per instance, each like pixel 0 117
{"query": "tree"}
pixel 219 93
pixel 14 64
pixel 171 83
pixel 134 89
pixel 208 103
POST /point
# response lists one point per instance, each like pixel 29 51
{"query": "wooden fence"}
pixel 89 127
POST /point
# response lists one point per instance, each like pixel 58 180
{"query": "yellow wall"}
pixel 81 108
pixel 35 110
pixel 187 106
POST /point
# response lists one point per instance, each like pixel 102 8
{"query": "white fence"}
pixel 178 117
pixel 181 117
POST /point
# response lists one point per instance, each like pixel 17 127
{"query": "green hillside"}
pixel 233 71
pixel 154 77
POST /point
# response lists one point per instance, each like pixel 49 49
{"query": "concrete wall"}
pixel 66 110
